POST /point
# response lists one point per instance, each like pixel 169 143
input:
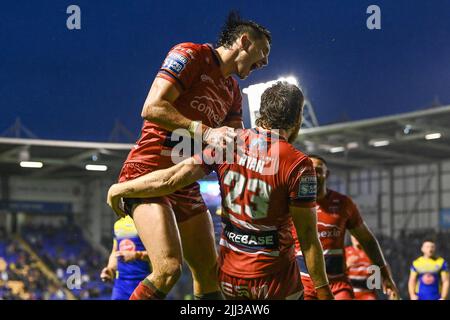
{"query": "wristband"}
pixel 193 127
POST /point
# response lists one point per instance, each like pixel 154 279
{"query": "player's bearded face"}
pixel 293 136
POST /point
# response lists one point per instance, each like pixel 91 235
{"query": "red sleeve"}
pixel 303 184
pixel 181 66
pixel 235 113
pixel 354 217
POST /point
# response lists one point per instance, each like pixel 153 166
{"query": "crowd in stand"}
pixel 20 276
pixel 64 246
pixel 66 251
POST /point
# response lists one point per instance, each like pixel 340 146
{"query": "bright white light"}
pixel 290 79
pixel 31 164
pixel 255 91
pixel 96 167
pixel 380 143
pixel 352 145
pixel 337 149
pixel 432 136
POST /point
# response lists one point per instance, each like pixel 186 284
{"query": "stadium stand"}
pixel 64 246
pixel 21 275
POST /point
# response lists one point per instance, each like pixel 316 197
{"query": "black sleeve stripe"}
pixel 172 76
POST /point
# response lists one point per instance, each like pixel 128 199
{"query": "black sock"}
pixel 216 295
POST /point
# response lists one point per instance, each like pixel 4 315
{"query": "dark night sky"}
pixel 74 84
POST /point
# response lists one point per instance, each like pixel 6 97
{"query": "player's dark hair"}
pixel 236 26
pixel 428 240
pixel 281 106
pixel 316 156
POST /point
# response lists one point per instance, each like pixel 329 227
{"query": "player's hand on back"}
pixel 114 201
pixel 219 137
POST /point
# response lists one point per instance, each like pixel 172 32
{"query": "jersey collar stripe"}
pixel 214 54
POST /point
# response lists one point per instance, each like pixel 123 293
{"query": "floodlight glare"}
pixel 337 149
pixel 31 164
pixel 289 79
pixel 255 91
pixel 432 136
pixel 96 167
pixel 380 143
pixel 352 145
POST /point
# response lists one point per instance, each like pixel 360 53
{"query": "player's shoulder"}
pixel 191 49
pixel 418 261
pixel 337 195
pixel 118 223
pixel 440 261
pixel 342 198
pixel 291 155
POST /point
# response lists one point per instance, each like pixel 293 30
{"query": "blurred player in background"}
pixel 358 263
pixel 429 279
pixel 268 188
pixel 128 263
pixel 193 90
pixel 337 213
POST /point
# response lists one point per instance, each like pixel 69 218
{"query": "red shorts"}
pixel 283 285
pixel 185 203
pixel 365 295
pixel 342 290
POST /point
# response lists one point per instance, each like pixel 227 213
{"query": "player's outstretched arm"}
pixel 109 271
pixel 373 250
pixel 158 108
pixel 155 184
pixel 412 285
pixel 305 221
pixel 445 285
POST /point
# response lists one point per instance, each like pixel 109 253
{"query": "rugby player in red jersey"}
pixel 336 213
pixel 358 272
pixel 267 188
pixel 194 90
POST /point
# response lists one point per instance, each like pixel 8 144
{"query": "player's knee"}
pixel 207 273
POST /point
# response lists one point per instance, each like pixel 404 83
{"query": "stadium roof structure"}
pixel 411 138
pixel 418 137
pixel 60 158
